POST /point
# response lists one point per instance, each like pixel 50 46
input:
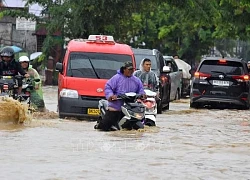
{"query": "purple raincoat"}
pixel 120 84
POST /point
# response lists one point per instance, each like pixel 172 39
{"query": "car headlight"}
pixel 69 93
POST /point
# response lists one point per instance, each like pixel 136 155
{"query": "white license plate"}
pixel 220 83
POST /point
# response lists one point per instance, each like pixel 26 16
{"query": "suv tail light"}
pixel 5 86
pixel 164 79
pixel 241 78
pixel 201 75
pixel 222 61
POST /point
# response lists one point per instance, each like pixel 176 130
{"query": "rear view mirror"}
pixel 166 69
pixel 59 67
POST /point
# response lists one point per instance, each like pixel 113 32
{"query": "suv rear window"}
pixel 228 67
pixel 95 65
pixel 140 57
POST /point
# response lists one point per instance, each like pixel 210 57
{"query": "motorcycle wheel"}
pixel 149 122
pixel 138 125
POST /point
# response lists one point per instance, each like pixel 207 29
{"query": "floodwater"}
pixel 186 144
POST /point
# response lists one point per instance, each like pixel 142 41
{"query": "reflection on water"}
pixel 186 111
pixel 186 144
pixel 45 115
pixel 134 133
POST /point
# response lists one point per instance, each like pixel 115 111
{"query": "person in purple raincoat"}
pixel 121 83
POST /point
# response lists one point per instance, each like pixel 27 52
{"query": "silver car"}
pixel 175 76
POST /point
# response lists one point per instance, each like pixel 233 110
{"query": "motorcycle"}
pixel 8 86
pixel 150 107
pixel 27 87
pixel 133 110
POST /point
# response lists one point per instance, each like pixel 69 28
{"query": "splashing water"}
pixel 13 111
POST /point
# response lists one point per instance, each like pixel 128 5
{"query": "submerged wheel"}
pixel 61 116
pixel 150 123
pixel 195 105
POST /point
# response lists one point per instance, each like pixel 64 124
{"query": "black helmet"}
pixel 7 51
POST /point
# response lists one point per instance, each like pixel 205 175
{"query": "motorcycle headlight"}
pixel 136 115
pixel 69 93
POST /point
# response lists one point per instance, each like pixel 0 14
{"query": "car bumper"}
pixel 69 107
pixel 206 100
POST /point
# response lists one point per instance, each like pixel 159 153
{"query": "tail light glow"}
pixel 241 78
pixel 5 87
pixel 164 79
pixel 201 75
pixel 244 98
pixel 222 61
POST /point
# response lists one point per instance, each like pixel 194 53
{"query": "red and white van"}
pixel 86 67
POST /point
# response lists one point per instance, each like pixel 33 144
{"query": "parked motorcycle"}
pixel 150 107
pixel 133 110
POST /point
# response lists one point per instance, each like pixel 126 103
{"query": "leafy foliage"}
pixel 189 28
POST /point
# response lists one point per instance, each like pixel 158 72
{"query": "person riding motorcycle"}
pixel 10 67
pixel 147 76
pixel 121 83
pixel 36 97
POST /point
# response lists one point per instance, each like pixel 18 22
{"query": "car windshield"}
pixel 95 65
pixel 228 67
pixel 140 57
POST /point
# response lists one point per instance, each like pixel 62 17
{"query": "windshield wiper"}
pixel 90 64
pixel 219 72
pixel 93 68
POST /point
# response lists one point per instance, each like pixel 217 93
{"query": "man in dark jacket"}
pixel 9 67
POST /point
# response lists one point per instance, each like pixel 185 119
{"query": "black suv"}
pixel 161 69
pixel 220 82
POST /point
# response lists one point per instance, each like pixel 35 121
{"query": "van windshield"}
pixel 95 65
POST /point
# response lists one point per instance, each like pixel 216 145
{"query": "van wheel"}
pixel 61 116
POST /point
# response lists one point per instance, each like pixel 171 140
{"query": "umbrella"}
pixel 35 55
pixel 16 49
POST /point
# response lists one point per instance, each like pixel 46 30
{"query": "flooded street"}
pixel 186 144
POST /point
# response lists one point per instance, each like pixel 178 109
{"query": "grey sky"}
pixel 20 3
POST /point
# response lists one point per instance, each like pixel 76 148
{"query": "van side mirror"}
pixel 180 70
pixel 166 69
pixel 59 67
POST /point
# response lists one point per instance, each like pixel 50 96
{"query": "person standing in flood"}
pixel 36 98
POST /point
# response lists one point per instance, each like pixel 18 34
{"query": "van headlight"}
pixel 68 93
